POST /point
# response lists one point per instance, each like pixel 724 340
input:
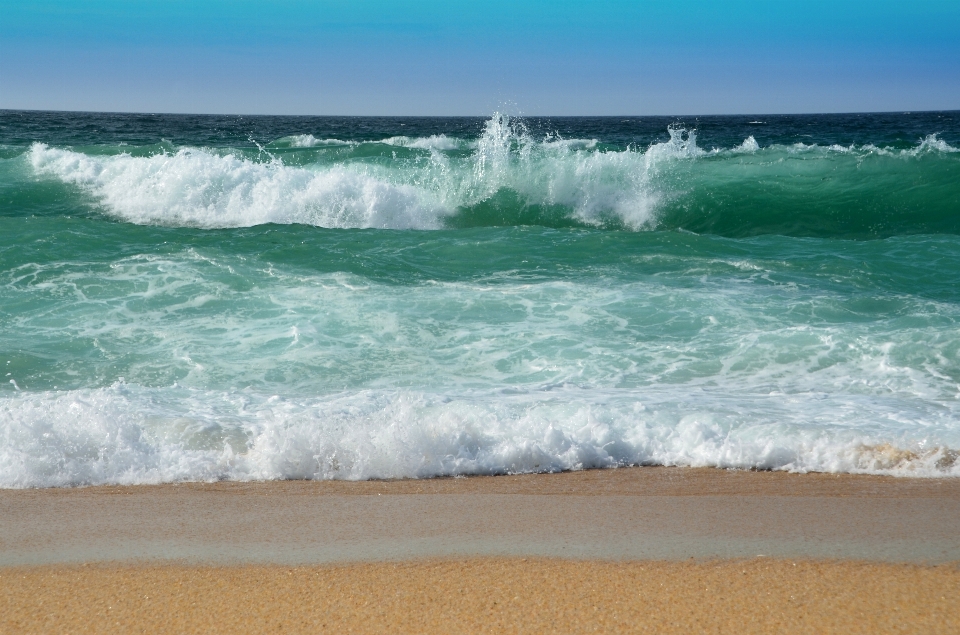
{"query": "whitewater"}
pixel 208 298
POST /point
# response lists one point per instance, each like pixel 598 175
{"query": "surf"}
pixel 507 177
pixel 339 299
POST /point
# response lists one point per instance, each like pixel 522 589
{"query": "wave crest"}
pixel 506 177
pixel 202 189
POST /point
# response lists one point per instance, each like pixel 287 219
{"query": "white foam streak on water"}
pixel 309 141
pixel 198 320
pixel 433 142
pixel 930 144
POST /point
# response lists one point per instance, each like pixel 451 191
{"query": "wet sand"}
pixel 734 551
pixel 635 513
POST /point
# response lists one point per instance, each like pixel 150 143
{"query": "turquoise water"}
pixel 187 298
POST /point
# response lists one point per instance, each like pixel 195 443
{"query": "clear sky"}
pixel 449 57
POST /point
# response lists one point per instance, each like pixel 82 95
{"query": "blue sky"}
pixel 431 57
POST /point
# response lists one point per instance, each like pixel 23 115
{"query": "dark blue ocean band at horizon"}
pixel 896 130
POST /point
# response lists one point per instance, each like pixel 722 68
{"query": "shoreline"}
pixel 644 513
pixel 675 480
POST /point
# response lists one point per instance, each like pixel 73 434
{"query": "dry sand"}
pixel 590 551
pixel 488 595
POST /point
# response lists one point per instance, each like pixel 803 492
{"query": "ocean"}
pixel 197 298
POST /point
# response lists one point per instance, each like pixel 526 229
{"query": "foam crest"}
pixel 749 145
pixel 597 186
pixel 433 142
pixel 931 143
pixel 309 141
pixel 493 180
pixel 682 145
pixel 127 434
pixel 202 188
pixel 199 188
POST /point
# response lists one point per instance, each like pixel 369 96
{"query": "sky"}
pixel 450 57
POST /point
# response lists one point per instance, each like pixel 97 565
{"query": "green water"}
pixel 208 298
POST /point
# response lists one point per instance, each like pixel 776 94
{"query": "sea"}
pixel 203 298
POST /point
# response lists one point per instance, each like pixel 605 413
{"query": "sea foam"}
pixel 377 189
pixel 128 434
pixel 205 188
pixel 194 187
pixel 234 372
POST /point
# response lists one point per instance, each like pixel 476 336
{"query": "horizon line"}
pixel 484 116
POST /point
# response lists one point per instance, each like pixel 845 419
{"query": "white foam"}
pixel 749 145
pixel 205 188
pixel 596 185
pixel 842 149
pixel 309 141
pixel 928 145
pixel 433 142
pixel 349 378
pixel 127 434
pixel 200 188
pixel 557 141
pixel 682 145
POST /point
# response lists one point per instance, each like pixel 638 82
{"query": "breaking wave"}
pixel 131 435
pixel 508 178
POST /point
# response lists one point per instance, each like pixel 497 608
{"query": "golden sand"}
pixel 485 595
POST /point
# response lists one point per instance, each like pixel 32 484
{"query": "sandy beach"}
pixel 490 595
pixel 658 549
